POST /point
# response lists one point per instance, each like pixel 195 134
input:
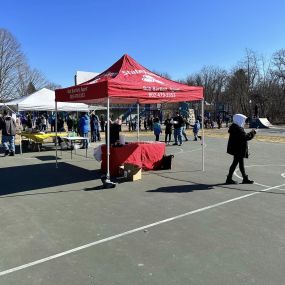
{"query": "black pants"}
pixel 237 161
pixel 167 137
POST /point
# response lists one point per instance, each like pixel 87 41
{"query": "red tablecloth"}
pixel 142 154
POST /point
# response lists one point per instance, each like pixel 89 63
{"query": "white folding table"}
pixel 72 140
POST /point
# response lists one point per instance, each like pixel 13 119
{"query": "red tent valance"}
pixel 127 81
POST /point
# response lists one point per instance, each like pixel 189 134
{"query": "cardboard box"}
pixel 132 172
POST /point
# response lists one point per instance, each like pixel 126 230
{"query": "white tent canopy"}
pixel 44 100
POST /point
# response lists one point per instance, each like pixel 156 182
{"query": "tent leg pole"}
pixel 138 122
pixel 56 165
pixel 203 138
pixel 21 151
pixel 108 138
pixel 77 121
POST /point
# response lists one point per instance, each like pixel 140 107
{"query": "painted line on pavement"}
pixel 192 150
pixel 261 165
pixel 39 261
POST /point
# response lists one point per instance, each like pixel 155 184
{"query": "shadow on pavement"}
pixel 12 195
pixel 197 187
pixel 95 188
pixel 183 188
pixel 47 158
pixel 19 179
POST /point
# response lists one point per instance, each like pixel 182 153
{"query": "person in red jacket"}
pixel 238 147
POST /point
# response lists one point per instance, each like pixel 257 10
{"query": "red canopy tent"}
pixel 126 81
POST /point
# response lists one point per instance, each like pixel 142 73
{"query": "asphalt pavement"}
pixel 178 226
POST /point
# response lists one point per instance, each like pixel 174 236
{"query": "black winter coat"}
pixel 237 144
pixel 168 126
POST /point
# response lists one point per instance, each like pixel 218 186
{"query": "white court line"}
pixel 254 165
pixel 182 151
pixel 192 150
pixel 255 183
pixel 261 165
pixel 30 264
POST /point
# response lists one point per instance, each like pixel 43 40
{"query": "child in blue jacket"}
pixel 156 129
pixel 196 129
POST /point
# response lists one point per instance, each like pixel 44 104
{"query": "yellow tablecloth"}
pixel 39 138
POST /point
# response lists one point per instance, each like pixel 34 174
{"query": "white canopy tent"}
pixel 43 100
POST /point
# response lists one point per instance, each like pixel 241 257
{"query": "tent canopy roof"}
pixel 126 81
pixel 43 100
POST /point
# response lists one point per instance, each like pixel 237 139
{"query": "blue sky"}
pixel 179 37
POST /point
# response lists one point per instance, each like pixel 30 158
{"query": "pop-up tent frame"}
pixel 128 82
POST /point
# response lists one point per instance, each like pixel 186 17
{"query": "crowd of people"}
pixel 211 122
pixel 90 125
pixel 176 125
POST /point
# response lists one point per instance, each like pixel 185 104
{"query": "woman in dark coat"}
pixel 237 146
pixel 168 129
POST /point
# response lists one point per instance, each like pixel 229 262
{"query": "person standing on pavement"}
pixel 94 124
pixel 69 123
pixel 92 128
pixel 8 127
pixel 84 127
pixel 156 129
pixel 177 122
pixel 102 123
pixel 29 121
pixel 196 129
pixel 168 129
pixel 184 125
pixel 238 147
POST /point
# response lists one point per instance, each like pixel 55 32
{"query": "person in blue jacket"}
pixel 156 129
pixel 196 129
pixel 84 128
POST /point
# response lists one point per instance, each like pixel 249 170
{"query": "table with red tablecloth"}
pixel 146 155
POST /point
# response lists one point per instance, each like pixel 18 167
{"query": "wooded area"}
pixel 17 78
pixel 255 83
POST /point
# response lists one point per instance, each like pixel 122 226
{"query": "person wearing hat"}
pixel 238 147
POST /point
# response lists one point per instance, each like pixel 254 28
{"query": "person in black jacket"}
pixel 177 123
pixel 237 146
pixel 168 129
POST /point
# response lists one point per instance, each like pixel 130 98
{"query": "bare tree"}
pixel 278 98
pixel 254 81
pixel 243 83
pixel 11 59
pixel 52 86
pixel 26 77
pixel 237 91
pixel 213 79
pixel 279 65
pixel 162 74
pixel 17 79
